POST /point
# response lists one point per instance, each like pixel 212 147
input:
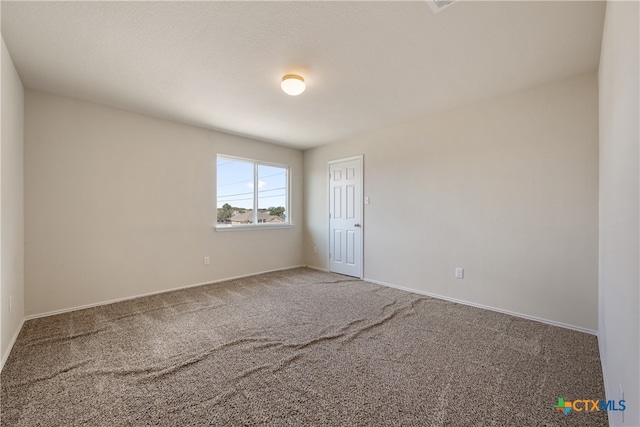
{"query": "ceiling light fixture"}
pixel 438 5
pixel 292 84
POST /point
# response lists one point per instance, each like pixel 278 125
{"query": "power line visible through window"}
pixel 251 192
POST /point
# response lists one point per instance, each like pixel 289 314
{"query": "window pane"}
pixel 239 203
pixel 272 194
pixel 235 191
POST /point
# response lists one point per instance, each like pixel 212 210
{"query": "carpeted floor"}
pixel 298 348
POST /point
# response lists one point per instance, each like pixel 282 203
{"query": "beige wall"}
pixel 11 206
pixel 619 207
pixel 506 189
pixel 119 204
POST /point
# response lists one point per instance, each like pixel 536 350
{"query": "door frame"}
pixel 359 157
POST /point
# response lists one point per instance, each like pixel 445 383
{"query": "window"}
pixel 251 193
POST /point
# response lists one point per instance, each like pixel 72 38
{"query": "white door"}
pixel 345 216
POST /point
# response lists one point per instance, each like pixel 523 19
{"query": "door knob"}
pixel 357 225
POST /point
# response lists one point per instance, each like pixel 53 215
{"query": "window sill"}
pixel 251 227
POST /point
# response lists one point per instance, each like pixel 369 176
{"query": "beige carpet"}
pixel 297 348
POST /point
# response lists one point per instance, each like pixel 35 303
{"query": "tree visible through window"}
pixel 250 192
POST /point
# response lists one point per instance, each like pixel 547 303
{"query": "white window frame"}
pixel 256 225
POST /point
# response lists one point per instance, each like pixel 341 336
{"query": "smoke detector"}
pixel 438 5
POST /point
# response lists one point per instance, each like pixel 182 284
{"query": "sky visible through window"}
pixel 235 184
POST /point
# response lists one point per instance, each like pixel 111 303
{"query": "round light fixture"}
pixel 292 84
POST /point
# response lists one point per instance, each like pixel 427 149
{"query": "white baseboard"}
pixel 97 304
pixel 608 393
pixel 485 307
pixel 313 267
pixel 6 354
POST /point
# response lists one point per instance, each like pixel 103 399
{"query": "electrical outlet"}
pixel 315 249
pixel 11 304
pixel 206 260
pixel 459 273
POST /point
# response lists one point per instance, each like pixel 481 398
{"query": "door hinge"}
pixel 329 255
pixel 329 214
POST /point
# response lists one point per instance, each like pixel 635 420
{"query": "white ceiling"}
pixel 367 64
